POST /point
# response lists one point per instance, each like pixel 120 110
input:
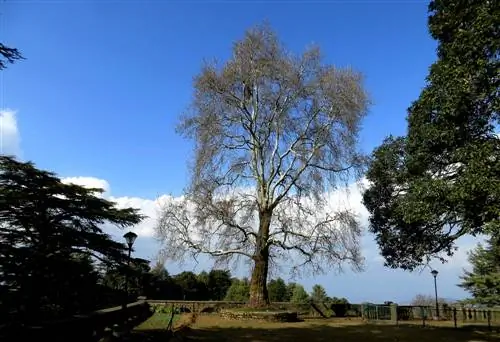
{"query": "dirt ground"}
pixel 213 328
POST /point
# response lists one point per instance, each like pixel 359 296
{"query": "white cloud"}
pixel 10 139
pixel 370 285
pixel 147 207
pixel 345 198
pixel 88 182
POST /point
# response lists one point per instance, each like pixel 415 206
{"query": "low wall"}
pixel 388 312
pixel 80 328
pixel 264 316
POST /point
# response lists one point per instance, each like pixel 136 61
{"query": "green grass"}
pixel 247 309
pixel 212 328
pixel 158 321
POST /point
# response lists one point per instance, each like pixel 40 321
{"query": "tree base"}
pixel 260 315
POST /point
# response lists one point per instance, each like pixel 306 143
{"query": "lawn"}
pixel 212 328
pixel 158 320
pixel 154 329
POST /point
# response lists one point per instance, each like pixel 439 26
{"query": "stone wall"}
pixel 282 316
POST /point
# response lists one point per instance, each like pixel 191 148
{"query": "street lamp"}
pixel 434 274
pixel 130 239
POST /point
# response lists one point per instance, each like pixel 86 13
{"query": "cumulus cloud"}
pixel 88 182
pixel 344 198
pixel 10 139
pixel 147 207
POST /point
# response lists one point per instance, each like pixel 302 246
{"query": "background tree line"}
pixel 220 285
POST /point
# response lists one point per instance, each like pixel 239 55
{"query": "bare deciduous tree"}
pixel 274 134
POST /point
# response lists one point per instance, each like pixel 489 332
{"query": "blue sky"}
pixel 104 82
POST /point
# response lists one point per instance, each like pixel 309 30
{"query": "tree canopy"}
pixel 8 55
pixel 239 290
pixel 299 294
pixel 483 281
pixel 274 132
pixel 319 293
pixel 50 236
pixel 278 291
pixel 442 180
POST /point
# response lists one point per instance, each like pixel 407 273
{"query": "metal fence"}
pixel 373 313
pixel 447 315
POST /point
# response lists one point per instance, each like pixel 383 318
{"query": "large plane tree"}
pixel 273 134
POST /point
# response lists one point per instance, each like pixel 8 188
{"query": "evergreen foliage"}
pixel 442 180
pixel 483 281
pixel 50 238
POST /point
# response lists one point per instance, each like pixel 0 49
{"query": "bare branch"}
pixel 274 135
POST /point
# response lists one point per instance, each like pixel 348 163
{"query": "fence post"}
pixel 455 317
pixel 394 313
pixel 424 313
pixel 489 319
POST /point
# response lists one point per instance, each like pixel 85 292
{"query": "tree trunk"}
pixel 258 284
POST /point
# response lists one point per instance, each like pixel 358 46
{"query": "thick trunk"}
pixel 258 288
pixel 258 283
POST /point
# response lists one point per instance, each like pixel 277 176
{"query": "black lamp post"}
pixel 130 239
pixel 434 274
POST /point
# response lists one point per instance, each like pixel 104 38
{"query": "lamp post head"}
pixel 130 238
pixel 434 273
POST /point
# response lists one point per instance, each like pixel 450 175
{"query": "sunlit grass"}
pixel 213 328
pixel 158 321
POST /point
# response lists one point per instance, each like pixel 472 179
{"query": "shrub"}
pixel 340 310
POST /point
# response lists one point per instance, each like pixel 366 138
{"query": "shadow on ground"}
pixel 338 333
pixel 152 335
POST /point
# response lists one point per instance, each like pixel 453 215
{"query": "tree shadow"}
pixel 325 332
pixel 150 335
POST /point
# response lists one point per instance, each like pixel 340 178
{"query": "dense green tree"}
pixel 203 285
pixel 483 281
pixel 337 300
pixel 238 291
pixel 50 235
pixel 299 294
pixel 219 282
pixel 190 285
pixel 289 291
pixel 158 284
pixel 161 284
pixel 159 271
pixel 318 294
pixel 136 273
pixel 277 290
pixel 442 180
pixel 203 277
pixel 73 290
